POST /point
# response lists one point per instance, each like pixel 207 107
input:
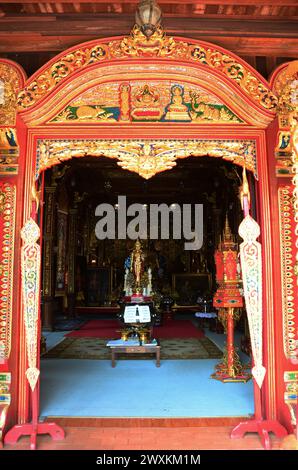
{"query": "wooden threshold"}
pixel 75 421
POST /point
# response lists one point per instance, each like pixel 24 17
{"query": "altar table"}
pixel 143 349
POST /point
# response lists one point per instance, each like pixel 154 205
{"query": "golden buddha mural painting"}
pixel 146 104
pixel 155 101
pixel 177 110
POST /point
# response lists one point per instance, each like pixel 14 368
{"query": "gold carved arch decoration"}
pixel 159 47
pixel 12 80
pixel 145 157
pixel 285 85
pixel 146 92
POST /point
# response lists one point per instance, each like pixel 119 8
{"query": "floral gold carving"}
pixel 137 45
pixel 52 76
pixel 10 83
pixel 286 87
pixel 158 45
pixel 147 158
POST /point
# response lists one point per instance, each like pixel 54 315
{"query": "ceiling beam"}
pixel 186 2
pixel 55 33
pixel 270 47
pixel 108 24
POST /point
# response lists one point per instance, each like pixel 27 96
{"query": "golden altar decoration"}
pixel 146 157
pixel 137 291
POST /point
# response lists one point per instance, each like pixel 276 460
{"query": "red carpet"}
pixel 111 329
pixel 98 329
pixel 177 329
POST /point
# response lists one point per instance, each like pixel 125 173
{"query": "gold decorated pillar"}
pixel 12 79
pixel 61 246
pixel 48 288
pixel 286 153
pixel 71 260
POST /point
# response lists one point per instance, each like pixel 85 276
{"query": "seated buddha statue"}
pixel 177 110
pixel 146 104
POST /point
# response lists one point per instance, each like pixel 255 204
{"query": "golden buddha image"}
pixel 177 110
pixel 137 264
pixel 146 104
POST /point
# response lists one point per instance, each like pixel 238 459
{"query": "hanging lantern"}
pixel 148 17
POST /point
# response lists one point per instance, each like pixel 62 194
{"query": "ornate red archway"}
pixel 124 98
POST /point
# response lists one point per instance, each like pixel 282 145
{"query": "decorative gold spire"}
pixel 227 231
pixel 228 241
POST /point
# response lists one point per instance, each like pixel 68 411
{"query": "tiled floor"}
pixel 133 436
pixel 139 438
pixel 153 438
pixel 137 388
pixel 65 382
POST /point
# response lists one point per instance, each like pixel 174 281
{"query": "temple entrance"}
pixel 83 283
pixel 98 99
pixel 86 273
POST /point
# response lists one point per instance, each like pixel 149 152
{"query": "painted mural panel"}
pixel 9 151
pixel 147 101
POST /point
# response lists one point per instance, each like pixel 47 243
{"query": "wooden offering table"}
pixel 151 348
